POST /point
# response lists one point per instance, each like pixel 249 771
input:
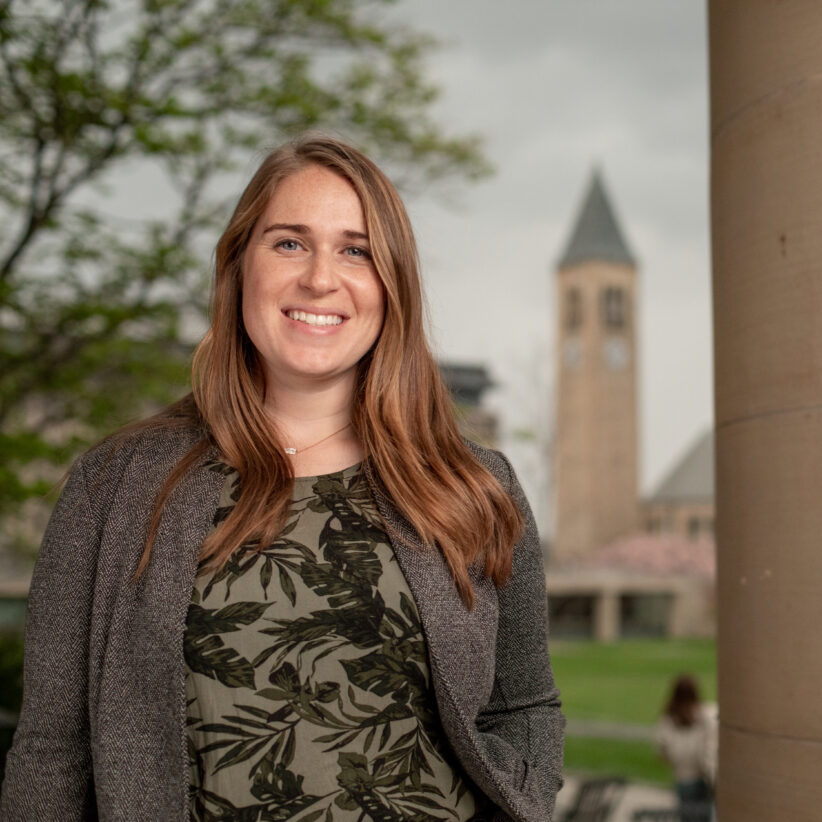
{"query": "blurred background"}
pixel 554 159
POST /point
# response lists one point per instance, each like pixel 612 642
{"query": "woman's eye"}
pixel 358 251
pixel 287 245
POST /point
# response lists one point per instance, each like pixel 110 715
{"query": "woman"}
pixel 686 737
pixel 297 594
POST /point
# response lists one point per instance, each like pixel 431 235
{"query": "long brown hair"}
pixel 402 413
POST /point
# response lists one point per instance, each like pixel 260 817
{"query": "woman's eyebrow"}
pixel 297 228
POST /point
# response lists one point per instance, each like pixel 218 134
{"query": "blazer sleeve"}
pixel 48 769
pixel 524 708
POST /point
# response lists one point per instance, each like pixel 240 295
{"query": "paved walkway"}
pixel 604 729
pixel 637 795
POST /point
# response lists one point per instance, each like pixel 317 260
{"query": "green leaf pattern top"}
pixel 308 690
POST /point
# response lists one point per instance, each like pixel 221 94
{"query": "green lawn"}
pixel 628 682
pixel 638 761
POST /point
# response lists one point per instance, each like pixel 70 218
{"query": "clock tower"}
pixel 595 469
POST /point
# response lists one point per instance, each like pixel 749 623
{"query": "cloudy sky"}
pixel 557 87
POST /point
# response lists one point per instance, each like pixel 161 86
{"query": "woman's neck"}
pixel 316 424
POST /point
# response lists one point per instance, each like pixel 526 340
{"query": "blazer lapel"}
pixel 461 642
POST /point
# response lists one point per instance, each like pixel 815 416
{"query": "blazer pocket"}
pixel 505 759
pixel 525 781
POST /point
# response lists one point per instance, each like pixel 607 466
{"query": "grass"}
pixel 627 682
pixel 638 761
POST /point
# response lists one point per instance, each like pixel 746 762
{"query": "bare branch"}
pixel 33 218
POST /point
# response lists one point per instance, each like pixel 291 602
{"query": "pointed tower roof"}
pixel 596 235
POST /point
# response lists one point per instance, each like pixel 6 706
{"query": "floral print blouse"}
pixel 308 690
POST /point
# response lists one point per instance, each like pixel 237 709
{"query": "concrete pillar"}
pixel 606 616
pixel 766 200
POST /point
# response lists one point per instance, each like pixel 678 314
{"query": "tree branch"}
pixel 33 220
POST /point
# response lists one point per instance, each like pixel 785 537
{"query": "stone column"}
pixel 766 200
pixel 606 615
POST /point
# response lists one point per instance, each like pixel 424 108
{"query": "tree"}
pixel 97 96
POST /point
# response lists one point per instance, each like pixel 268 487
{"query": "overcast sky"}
pixel 556 87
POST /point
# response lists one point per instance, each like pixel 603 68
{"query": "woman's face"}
pixel 312 301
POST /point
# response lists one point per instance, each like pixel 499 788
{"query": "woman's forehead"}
pixel 315 196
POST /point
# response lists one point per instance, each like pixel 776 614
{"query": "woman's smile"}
pixel 315 320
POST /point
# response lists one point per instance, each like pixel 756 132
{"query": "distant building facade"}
pixel 467 383
pixel 641 585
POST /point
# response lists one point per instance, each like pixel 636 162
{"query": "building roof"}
pixel 692 478
pixel 657 555
pixel 596 234
pixel 467 383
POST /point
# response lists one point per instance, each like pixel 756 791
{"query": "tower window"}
pixel 573 309
pixel 614 304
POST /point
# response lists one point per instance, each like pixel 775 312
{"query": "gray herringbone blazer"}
pixel 102 730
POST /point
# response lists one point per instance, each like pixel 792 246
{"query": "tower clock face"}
pixel 616 353
pixel 572 354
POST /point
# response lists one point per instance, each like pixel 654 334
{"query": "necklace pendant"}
pixel 291 450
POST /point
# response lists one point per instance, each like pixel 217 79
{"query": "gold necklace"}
pixel 292 450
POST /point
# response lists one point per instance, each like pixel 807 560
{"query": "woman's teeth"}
pixel 315 319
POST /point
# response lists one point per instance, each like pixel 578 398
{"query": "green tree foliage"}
pixel 100 97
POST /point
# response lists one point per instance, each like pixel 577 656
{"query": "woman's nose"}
pixel 319 275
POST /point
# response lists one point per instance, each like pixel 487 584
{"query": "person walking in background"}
pixel 686 737
pixel 298 593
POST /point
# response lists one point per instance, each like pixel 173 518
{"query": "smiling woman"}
pixel 296 594
pixel 313 302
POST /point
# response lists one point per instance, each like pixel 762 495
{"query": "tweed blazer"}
pixel 102 729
